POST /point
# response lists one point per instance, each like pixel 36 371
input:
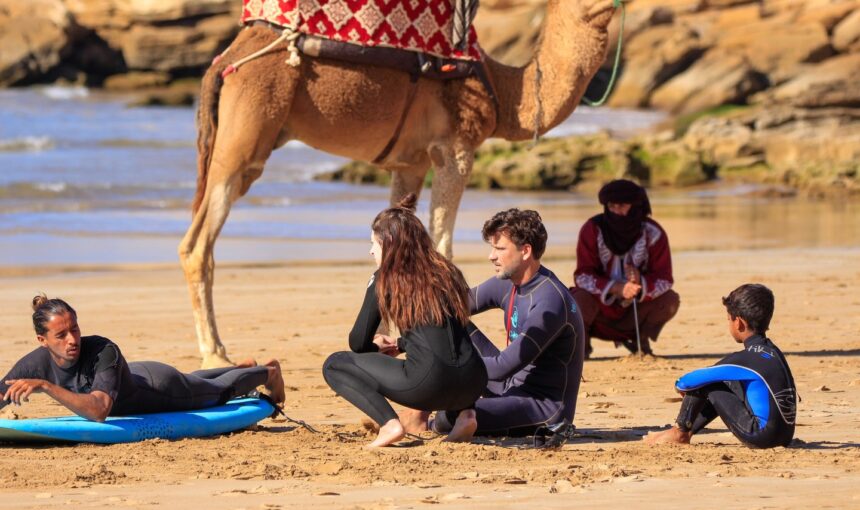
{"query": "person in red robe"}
pixel 623 256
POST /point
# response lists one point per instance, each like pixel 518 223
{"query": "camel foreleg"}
pixel 196 252
pixel 453 166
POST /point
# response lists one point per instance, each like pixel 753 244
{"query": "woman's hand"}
pixel 20 389
pixel 386 345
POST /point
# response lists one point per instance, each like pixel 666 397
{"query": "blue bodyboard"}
pixel 234 415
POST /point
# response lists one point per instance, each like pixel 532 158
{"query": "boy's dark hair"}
pixel 523 227
pixel 752 302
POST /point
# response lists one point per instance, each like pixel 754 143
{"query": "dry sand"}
pixel 302 312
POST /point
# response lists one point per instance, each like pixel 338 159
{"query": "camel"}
pixel 352 110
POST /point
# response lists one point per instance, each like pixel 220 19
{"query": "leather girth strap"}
pixel 410 98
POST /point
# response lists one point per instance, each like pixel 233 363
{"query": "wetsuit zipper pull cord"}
pixel 510 315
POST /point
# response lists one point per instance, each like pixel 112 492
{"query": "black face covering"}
pixel 621 232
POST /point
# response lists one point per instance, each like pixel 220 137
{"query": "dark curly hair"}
pixel 752 302
pixel 523 227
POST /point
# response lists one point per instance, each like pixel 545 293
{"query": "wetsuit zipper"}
pixel 451 342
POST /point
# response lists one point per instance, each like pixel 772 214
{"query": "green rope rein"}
pixel 616 4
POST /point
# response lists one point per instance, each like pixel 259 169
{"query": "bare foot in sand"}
pixel 247 363
pixel 275 382
pixel 414 421
pixel 464 428
pixel 672 436
pixel 389 433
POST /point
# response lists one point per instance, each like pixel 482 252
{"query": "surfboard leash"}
pixel 301 423
pixel 280 412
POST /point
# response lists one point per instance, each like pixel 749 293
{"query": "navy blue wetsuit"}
pixel 752 390
pixel 535 380
pixel 136 387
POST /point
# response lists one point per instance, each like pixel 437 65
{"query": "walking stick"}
pixel 633 277
pixel 636 321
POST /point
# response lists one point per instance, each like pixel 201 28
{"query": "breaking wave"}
pixel 27 144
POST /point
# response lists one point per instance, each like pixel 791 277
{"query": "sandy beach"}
pixel 300 312
pixel 741 118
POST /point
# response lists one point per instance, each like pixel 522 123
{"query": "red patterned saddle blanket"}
pixel 424 26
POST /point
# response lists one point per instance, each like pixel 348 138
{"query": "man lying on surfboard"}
pixel 90 376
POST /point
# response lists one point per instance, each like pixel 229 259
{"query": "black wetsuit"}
pixel 752 390
pixel 535 380
pixel 136 387
pixel 441 369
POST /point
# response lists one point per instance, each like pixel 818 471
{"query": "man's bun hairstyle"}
pixel 44 309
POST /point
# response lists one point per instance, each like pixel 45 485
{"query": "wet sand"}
pixel 301 312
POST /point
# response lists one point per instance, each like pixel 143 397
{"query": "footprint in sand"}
pixel 602 405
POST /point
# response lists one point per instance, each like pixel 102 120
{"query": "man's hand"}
pixel 631 290
pixel 632 274
pixel 20 389
pixel 92 406
pixel 625 290
pixel 386 344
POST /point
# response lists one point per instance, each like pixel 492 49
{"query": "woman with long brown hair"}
pixel 426 297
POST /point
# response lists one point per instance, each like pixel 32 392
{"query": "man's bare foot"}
pixel 464 428
pixel 389 433
pixel 247 363
pixel 673 435
pixel 275 383
pixel 414 421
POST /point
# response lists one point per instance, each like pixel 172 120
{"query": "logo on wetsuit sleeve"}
pixel 515 319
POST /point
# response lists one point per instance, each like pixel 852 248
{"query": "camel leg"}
pixel 243 143
pixel 408 180
pixel 198 263
pixel 453 166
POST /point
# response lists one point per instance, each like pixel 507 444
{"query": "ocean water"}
pixel 85 179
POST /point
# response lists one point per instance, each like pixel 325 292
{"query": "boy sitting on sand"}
pixel 752 390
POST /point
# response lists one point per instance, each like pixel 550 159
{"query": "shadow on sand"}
pixel 824 353
pixel 823 445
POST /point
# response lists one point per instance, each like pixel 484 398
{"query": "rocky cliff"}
pixel 150 41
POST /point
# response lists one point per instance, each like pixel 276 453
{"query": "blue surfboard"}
pixel 234 415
